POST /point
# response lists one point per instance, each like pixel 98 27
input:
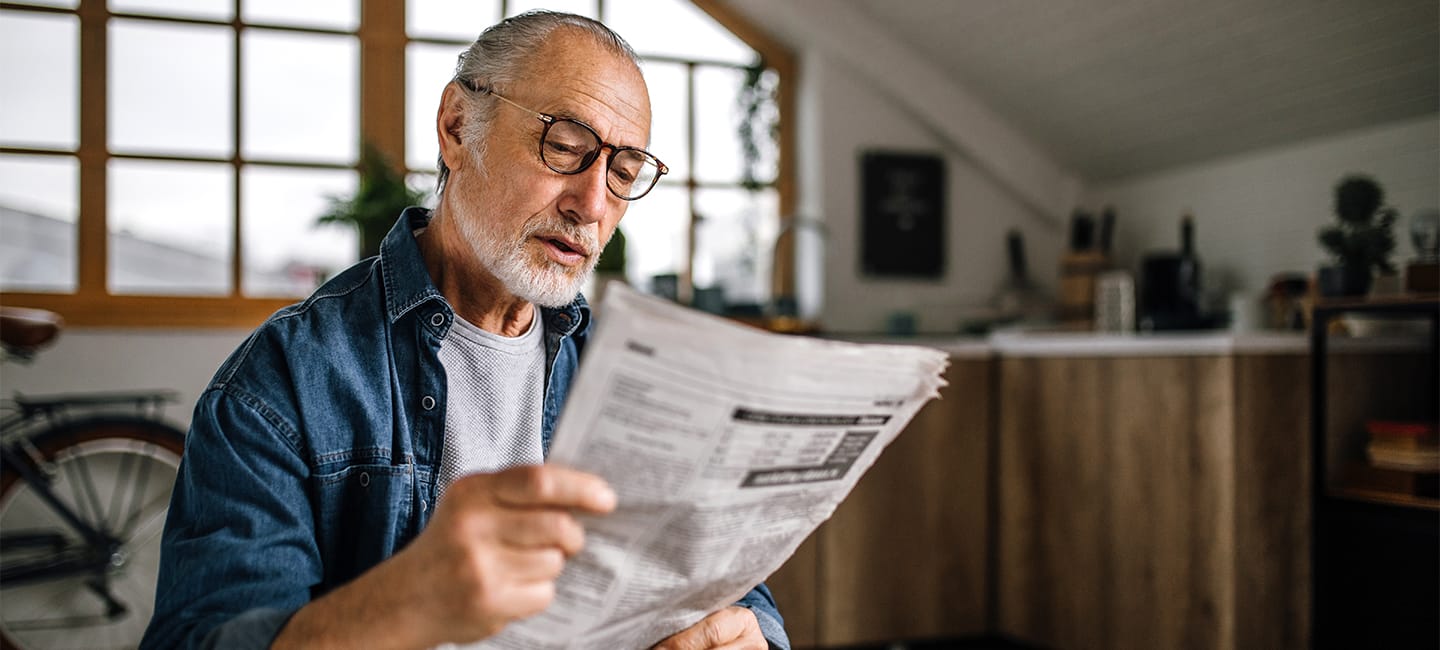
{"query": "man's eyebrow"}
pixel 570 115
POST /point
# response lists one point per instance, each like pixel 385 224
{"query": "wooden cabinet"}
pixel 1078 502
pixel 904 557
pixel 1153 502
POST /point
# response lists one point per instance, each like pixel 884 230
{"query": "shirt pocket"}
pixel 363 513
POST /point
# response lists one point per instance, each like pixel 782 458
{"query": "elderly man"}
pixel 365 470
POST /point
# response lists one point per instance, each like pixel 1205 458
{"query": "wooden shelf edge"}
pixel 1384 498
pixel 151 311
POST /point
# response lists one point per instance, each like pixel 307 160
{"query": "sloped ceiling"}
pixel 1114 88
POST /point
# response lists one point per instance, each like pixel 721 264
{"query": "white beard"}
pixel 536 279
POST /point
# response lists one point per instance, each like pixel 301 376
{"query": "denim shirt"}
pixel 313 453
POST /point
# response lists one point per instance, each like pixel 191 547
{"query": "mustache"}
pixel 567 229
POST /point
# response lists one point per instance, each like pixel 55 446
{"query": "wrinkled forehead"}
pixel 573 75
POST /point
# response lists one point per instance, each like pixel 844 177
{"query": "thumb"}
pixel 714 630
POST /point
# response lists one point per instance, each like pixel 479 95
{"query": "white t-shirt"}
pixel 495 392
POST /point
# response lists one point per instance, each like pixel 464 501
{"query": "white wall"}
pixel 86 359
pixel 980 212
pixel 859 90
pixel 1258 214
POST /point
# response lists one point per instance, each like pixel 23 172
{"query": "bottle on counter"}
pixel 1018 297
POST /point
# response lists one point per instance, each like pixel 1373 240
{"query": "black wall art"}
pixel 902 219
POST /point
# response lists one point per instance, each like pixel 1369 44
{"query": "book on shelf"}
pixel 1406 446
pixel 1408 459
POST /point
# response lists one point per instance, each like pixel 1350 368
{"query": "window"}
pixel 164 161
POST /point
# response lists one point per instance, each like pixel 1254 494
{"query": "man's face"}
pixel 539 232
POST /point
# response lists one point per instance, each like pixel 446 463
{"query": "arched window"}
pixel 162 162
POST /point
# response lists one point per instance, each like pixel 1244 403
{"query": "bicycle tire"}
pixel 117 473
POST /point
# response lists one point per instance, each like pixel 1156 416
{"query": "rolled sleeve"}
pixel 762 604
pixel 252 630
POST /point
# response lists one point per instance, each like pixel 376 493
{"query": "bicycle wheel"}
pixel 116 473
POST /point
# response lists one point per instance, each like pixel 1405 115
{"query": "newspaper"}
pixel 726 446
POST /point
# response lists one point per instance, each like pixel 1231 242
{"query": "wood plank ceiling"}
pixel 1120 87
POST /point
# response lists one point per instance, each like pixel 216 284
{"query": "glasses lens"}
pixel 569 147
pixel 632 173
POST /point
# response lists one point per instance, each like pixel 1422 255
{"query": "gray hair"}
pixel 498 58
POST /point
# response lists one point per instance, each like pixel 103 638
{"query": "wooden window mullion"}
pixel 237 243
pixel 382 78
pixel 687 278
pixel 92 234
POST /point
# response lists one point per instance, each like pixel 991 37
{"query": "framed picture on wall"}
pixel 902 214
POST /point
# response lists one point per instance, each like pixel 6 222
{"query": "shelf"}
pixel 1376 537
pixel 1363 482
pixel 1412 302
pixel 1384 497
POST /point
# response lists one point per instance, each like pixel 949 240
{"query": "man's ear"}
pixel 448 122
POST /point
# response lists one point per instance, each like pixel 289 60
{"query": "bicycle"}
pixel 85 484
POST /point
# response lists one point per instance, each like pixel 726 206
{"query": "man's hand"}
pixel 732 628
pixel 489 556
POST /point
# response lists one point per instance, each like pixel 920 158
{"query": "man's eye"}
pixel 627 166
pixel 565 148
pixel 623 175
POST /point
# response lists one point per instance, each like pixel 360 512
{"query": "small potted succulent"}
pixel 1361 242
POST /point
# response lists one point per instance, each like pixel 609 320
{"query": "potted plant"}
pixel 1361 242
pixel 376 203
pixel 610 266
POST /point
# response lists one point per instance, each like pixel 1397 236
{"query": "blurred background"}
pixel 951 170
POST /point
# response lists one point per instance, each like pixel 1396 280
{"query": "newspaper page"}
pixel 726 446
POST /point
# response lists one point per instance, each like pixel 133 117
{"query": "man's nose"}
pixel 587 197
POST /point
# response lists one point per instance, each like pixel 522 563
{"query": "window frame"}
pixel 382 39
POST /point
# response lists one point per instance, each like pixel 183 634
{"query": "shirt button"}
pixel 427 402
pixel 437 319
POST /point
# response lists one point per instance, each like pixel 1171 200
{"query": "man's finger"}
pixel 713 631
pixel 531 565
pixel 553 486
pixel 535 528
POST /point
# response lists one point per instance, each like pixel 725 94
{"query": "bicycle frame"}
pixel 98 552
pixel 15 460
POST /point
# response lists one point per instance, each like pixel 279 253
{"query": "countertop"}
pixel 1089 344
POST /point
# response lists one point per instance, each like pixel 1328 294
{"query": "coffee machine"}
pixel 1170 286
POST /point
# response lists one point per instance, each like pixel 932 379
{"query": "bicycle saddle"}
pixel 26 330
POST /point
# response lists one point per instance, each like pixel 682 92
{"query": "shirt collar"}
pixel 407 281
pixel 408 284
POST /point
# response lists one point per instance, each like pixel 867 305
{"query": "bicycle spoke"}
pixel 82 469
pixel 142 480
pixel 68 484
pixel 117 495
pixel 90 491
pixel 148 529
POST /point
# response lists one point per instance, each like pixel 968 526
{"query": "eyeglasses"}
pixel 570 146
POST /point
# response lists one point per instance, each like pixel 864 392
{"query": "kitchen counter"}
pixel 1020 343
pixel 1174 468
pixel 1089 344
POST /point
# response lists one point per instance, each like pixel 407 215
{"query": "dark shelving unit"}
pixel 1376 548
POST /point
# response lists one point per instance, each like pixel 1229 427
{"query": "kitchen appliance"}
pixel 1170 286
